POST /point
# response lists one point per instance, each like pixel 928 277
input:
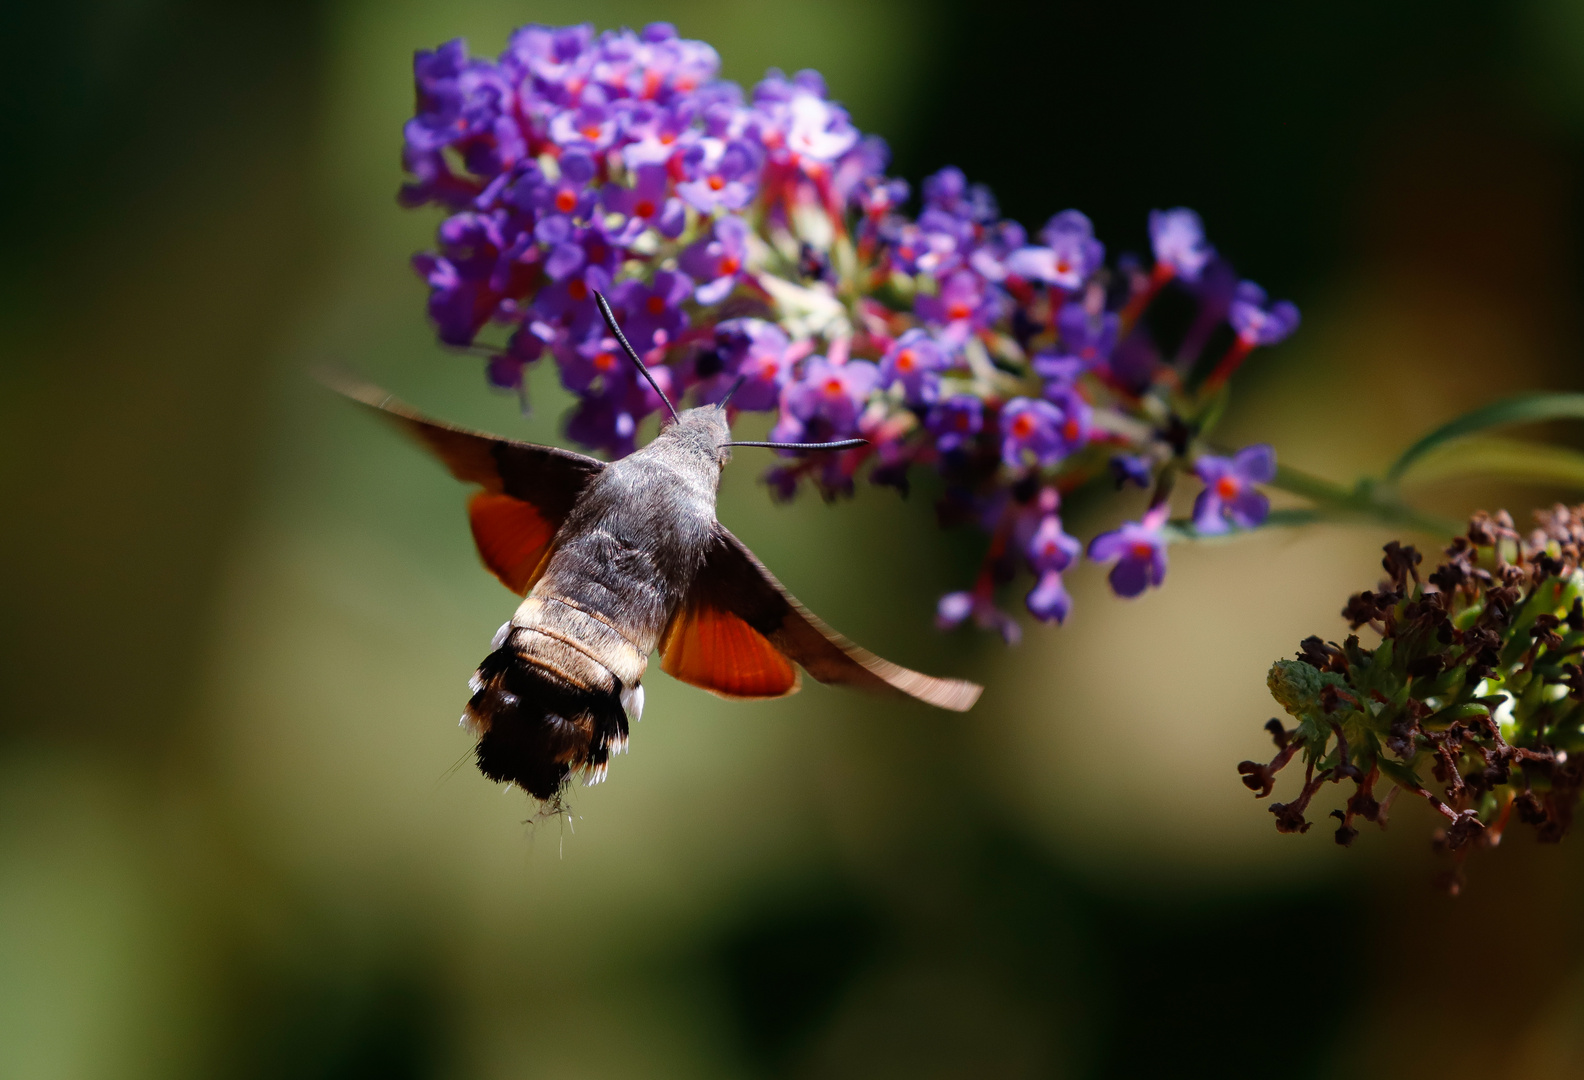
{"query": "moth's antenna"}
pixel 610 321
pixel 735 386
pixel 844 444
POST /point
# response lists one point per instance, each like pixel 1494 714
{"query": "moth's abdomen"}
pixel 548 702
pixel 581 647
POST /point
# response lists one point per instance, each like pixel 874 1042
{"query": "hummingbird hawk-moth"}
pixel 615 561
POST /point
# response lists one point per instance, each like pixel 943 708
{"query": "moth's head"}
pixel 707 428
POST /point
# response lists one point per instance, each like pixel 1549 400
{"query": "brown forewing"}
pixel 549 478
pixel 732 580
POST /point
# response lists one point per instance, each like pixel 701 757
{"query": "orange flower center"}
pixel 645 208
pixel 906 361
pixel 565 200
pixel 833 387
pixel 1070 431
pixel 655 304
pixel 730 264
pixel 957 311
pixel 1023 425
pixel 577 290
pixel 604 361
pixel 1227 487
pixel 1141 550
pixel 590 132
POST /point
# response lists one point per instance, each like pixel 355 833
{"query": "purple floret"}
pixel 1050 547
pixel 955 422
pixel 950 191
pixel 915 360
pixel 1258 322
pixel 1071 253
pixel 955 608
pixel 1037 430
pixel 1140 554
pixel 831 395
pixel 966 305
pixel 460 102
pixel 1229 496
pixel 756 350
pixel 652 315
pixel 1178 239
pixel 1132 469
pixel 716 261
pixel 647 204
pixel 1089 336
pixel 721 176
pixel 1048 601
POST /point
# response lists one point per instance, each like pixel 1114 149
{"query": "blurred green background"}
pixel 239 616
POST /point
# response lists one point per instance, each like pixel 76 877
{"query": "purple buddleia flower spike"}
pixel 796 120
pixel 755 240
pixel 949 190
pixel 1058 368
pixel 591 127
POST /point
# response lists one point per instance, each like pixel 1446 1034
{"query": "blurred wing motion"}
pixel 739 626
pixel 528 489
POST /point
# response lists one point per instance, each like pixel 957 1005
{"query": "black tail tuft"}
pixel 536 730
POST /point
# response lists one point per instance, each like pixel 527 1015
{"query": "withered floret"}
pixel 1473 700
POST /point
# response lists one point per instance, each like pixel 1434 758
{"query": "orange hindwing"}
pixel 513 538
pixel 719 652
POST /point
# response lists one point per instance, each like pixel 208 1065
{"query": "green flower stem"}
pixel 1369 500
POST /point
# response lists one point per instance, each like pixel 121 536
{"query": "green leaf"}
pixel 1453 713
pixel 1400 773
pixel 1524 409
pixel 1502 459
